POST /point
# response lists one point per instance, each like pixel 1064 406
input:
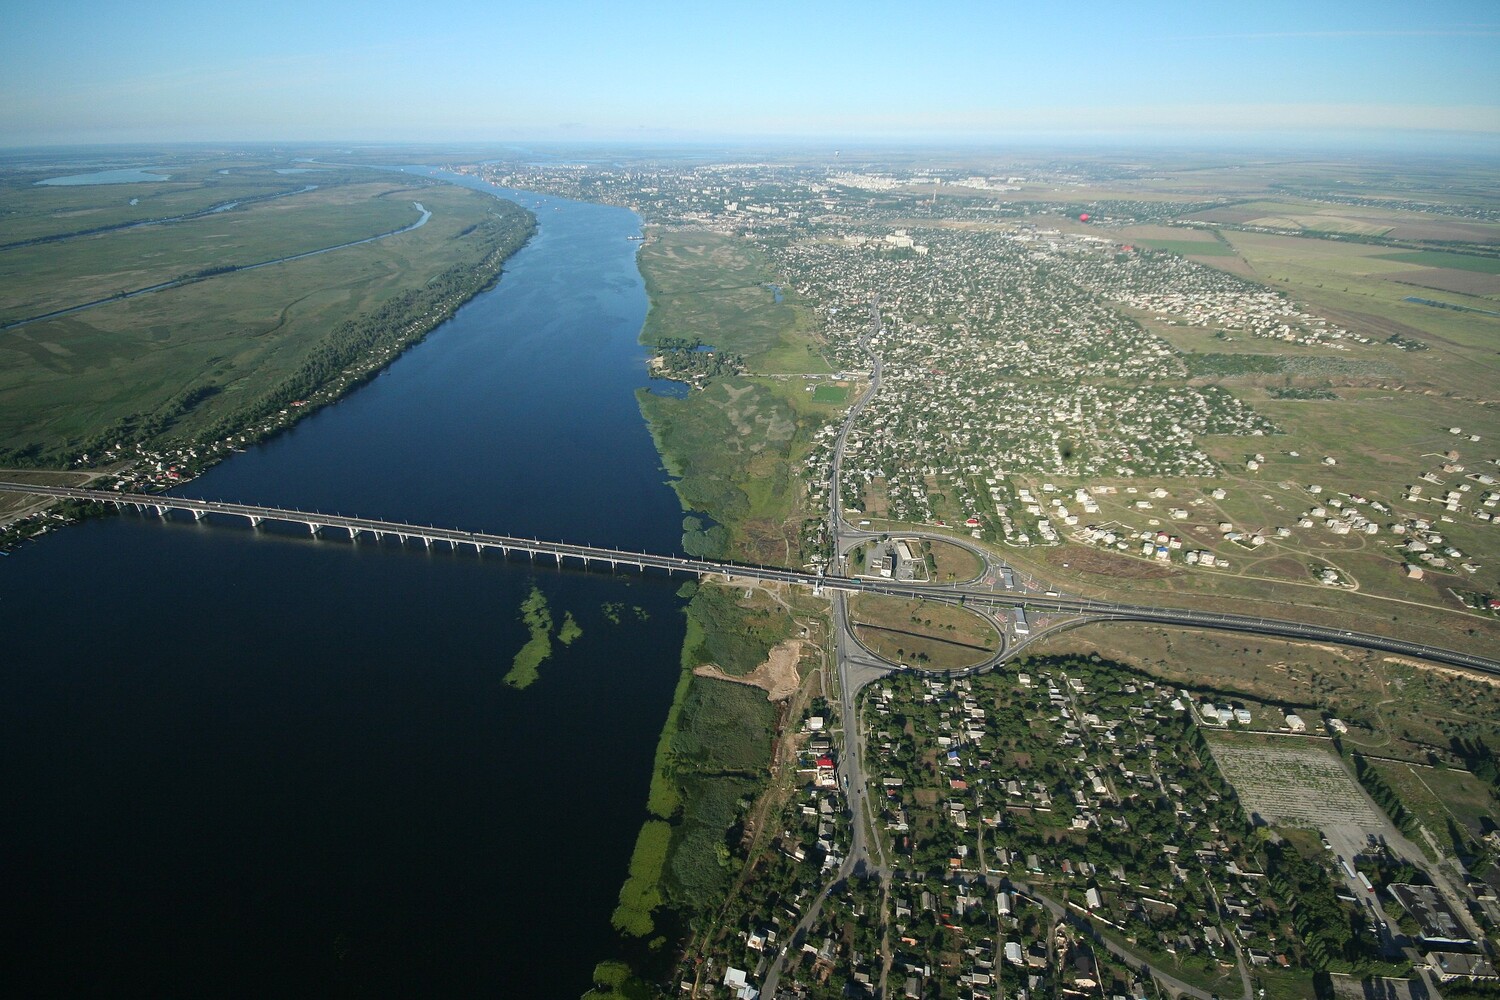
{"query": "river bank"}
pixel 732 447
pixel 353 353
pixel 174 373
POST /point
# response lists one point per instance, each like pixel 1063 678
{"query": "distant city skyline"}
pixel 462 71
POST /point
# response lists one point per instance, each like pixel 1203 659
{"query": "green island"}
pixel 537 616
pixel 150 388
pixel 614 611
pixel 569 629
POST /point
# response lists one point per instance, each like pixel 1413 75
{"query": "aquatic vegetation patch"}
pixel 524 669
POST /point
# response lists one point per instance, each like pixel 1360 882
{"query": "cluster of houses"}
pixel 995 364
pixel 1002 810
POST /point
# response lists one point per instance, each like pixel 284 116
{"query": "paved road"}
pixel 856 667
pixel 975 596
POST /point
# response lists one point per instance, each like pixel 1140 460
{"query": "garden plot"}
pixel 1304 787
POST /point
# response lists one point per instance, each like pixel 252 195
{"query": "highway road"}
pixel 980 597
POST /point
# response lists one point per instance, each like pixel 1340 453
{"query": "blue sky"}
pixel 504 70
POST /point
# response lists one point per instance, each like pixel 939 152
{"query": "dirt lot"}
pixel 1086 559
pixel 778 676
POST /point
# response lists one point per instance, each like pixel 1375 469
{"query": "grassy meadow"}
pixel 46 277
pixel 735 447
pixel 712 287
pixel 930 635
pixel 229 339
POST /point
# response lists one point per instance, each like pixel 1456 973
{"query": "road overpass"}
pixel 599 556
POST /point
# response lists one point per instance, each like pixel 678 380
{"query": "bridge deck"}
pixel 589 554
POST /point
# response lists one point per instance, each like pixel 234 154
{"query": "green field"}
pixel 1456 261
pixel 30 211
pixel 1451 804
pixel 734 446
pixel 710 287
pixel 184 362
pixel 1189 248
pixel 930 635
pixel 50 276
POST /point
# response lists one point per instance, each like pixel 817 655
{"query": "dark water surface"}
pixel 243 762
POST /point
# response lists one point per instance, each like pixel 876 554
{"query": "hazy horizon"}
pixel 1163 74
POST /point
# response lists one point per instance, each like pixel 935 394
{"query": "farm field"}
pixel 1189 248
pixel 1458 261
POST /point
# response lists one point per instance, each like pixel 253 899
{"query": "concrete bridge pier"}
pixel 314 527
pixel 353 531
pixel 254 520
pixel 161 510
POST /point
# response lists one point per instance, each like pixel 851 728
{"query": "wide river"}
pixel 255 763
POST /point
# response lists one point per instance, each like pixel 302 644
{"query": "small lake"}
pixel 128 175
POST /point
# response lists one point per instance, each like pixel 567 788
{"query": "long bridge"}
pixel 593 555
